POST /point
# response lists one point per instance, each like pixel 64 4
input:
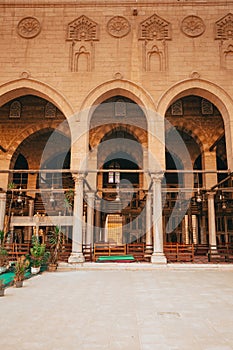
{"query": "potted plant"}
pixel 2 288
pixel 55 240
pixel 21 265
pixel 4 261
pixel 38 255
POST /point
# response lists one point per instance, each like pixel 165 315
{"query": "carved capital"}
pixel 79 177
pixel 157 177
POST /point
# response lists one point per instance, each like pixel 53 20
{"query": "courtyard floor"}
pixel 111 308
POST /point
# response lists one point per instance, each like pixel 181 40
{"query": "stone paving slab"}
pixel 160 309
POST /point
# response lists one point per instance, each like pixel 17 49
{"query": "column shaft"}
pixel 211 220
pixel 158 254
pixel 77 255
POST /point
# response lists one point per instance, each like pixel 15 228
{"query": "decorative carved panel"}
pixel 206 107
pixel 82 29
pixel 50 110
pixel 118 26
pixel 155 28
pixel 224 33
pixel 29 27
pixel 120 108
pixel 81 58
pixel 15 110
pixel 155 56
pixel 192 26
pixel 177 108
pixel 224 28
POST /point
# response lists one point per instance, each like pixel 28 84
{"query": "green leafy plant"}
pixel 38 253
pixel 69 199
pixel 4 260
pixel 55 240
pixel 21 265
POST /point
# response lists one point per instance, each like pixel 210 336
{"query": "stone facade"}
pixel 92 70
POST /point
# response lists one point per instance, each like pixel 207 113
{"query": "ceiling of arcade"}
pixel 198 118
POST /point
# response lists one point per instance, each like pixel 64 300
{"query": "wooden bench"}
pixel 137 250
pixel 108 249
pixel 176 252
pixel 87 252
pixel 171 252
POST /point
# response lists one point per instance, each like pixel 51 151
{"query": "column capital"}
pixel 78 177
pixel 211 194
pixel 157 177
pixel 2 195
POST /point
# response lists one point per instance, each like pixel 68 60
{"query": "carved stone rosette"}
pixel 118 26
pixel 192 26
pixel 29 27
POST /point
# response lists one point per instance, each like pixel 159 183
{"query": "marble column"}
pixel 2 210
pixel 97 220
pixel 77 255
pixel 158 256
pixel 90 218
pixel 148 219
pixel 211 221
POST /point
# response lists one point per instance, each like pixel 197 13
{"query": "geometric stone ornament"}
pixel 120 108
pixel 118 26
pixel 206 107
pixel 81 57
pixel 155 28
pixel 177 108
pixel 82 29
pixel 15 110
pixel 194 75
pixel 155 56
pixel 192 26
pixel 50 110
pixel 29 27
pixel 224 28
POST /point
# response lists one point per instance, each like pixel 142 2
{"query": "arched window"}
pixel 114 177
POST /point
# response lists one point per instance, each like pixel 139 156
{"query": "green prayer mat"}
pixel 115 258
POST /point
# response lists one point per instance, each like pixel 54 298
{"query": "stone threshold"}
pixel 142 266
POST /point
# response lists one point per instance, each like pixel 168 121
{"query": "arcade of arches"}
pixel 116 124
pixel 119 188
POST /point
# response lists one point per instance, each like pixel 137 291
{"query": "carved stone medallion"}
pixel 192 26
pixel 118 26
pixel 29 27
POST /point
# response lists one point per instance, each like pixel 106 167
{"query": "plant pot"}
pixel 19 284
pixel 35 270
pixel 52 267
pixel 3 269
pixel 2 292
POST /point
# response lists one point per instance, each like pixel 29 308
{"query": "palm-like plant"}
pixel 21 265
pixel 55 240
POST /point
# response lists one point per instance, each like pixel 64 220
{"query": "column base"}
pixel 76 258
pixel 158 258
